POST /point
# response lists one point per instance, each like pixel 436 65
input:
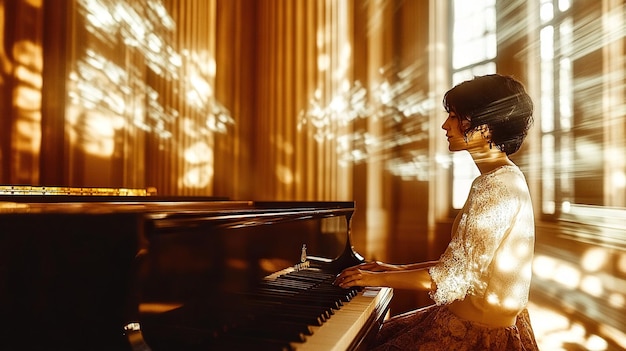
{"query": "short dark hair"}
pixel 498 101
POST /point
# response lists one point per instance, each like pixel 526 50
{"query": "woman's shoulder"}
pixel 506 174
pixel 502 182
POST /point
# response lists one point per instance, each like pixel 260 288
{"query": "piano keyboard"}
pixel 346 325
pixel 303 310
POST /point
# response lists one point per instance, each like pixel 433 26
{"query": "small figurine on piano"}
pixel 304 263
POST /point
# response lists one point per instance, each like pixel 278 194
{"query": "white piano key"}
pixel 338 332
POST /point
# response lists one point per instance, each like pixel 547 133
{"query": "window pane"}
pixel 564 5
pixel 546 36
pixel 546 11
pixel 474 36
pixel 547 97
pixel 547 174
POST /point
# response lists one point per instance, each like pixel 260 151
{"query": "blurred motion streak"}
pixel 396 103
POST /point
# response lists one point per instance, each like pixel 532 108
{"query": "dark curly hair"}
pixel 498 101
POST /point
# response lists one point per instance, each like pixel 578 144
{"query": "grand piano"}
pixel 124 269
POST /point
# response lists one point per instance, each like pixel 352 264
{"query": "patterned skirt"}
pixel 436 328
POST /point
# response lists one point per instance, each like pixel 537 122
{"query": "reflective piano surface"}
pixel 150 273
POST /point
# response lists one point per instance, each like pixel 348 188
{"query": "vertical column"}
pixel 613 102
pixel 439 81
pixel 377 215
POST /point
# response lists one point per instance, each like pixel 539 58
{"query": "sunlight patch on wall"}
pixel 197 176
pixel 114 84
pixel 402 110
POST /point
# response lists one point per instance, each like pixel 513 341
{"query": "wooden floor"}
pixel 556 332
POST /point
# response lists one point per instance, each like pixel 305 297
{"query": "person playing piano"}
pixel 480 283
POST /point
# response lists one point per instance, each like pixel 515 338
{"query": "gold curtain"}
pixel 125 97
pixel 304 62
pixel 140 110
pixel 269 100
pixel 21 64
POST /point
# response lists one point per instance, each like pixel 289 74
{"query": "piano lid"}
pixel 83 260
pixel 165 210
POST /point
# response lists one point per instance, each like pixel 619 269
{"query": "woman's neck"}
pixel 490 159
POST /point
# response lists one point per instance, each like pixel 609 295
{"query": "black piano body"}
pixel 158 273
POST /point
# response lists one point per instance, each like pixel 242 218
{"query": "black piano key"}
pixel 333 301
pixel 250 343
pixel 294 316
pixel 321 312
pixel 324 281
pixel 286 332
pixel 284 310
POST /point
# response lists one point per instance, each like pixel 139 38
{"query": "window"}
pixel 582 99
pixel 556 105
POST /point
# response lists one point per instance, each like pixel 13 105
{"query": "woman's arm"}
pixel 377 266
pixel 411 276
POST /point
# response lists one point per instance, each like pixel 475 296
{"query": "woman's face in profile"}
pixel 457 141
pixel 453 132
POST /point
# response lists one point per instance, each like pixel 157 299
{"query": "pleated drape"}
pixel 304 63
pixel 140 107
